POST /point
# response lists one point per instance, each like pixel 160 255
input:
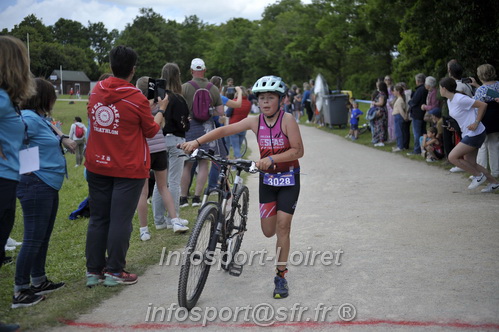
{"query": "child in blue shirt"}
pixel 354 121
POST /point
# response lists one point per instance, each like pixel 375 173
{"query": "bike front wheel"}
pixel 236 224
pixel 197 258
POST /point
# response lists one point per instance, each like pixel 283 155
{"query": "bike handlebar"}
pixel 246 165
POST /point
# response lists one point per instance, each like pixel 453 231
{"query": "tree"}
pixel 34 27
pixel 69 32
pixel 455 29
pixel 154 41
pixel 229 52
pixel 101 41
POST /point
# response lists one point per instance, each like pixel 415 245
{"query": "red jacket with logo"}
pixel 120 120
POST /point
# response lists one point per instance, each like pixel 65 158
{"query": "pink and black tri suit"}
pixel 278 195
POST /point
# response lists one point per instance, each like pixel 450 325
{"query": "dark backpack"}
pixel 202 109
pixel 177 115
pixel 79 132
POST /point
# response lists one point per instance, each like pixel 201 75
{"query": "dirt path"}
pixel 408 248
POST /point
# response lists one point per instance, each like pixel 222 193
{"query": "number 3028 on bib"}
pixel 284 179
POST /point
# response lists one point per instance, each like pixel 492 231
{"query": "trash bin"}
pixel 336 110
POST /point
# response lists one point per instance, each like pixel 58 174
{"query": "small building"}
pixel 78 81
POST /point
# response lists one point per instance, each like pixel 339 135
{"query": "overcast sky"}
pixel 115 14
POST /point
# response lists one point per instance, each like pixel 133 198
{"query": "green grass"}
pixel 66 255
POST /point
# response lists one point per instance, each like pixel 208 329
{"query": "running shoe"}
pixel 456 169
pixel 477 180
pixel 123 278
pixel 145 236
pixel 163 225
pixel 196 201
pixel 13 243
pixel 281 288
pixel 179 225
pixel 491 187
pixel 184 202
pixel 26 298
pixel 93 279
pixel 46 287
pixel 9 327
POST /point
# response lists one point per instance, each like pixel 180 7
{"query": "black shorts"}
pixel 273 199
pixel 159 161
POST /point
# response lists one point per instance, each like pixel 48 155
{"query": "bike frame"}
pixel 224 192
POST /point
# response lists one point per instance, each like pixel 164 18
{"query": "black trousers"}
pixel 310 111
pixel 7 212
pixel 406 134
pixel 113 202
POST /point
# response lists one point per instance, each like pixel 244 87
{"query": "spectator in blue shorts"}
pixel 354 120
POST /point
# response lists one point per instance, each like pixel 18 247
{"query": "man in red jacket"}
pixel 117 162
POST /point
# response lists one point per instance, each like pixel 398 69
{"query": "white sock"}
pixel 144 229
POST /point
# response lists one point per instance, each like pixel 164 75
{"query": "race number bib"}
pixel 284 179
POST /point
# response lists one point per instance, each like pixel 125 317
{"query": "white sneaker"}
pixel 145 236
pixel 379 144
pixel 10 248
pixel 491 187
pixel 477 180
pixel 13 243
pixel 455 169
pixel 178 227
pixel 184 222
pixel 396 150
pixel 162 226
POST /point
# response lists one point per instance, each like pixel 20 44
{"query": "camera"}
pixel 156 87
pixel 230 92
pixel 466 80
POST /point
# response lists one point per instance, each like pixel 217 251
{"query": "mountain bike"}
pixel 220 225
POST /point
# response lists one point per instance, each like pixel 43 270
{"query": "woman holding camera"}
pixel 468 113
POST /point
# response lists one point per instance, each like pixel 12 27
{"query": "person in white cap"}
pixel 198 129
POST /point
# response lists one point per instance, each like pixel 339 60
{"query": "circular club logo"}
pixel 104 116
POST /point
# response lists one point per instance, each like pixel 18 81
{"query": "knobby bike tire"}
pixel 237 221
pixel 194 270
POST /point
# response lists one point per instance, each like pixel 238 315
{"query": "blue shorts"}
pixel 354 126
pixel 474 141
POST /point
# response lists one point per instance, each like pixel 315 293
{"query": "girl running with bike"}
pixel 281 146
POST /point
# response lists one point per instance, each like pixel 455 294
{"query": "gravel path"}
pixel 407 248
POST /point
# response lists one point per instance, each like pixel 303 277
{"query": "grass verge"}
pixel 66 255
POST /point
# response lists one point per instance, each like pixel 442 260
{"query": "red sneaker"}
pixel 123 278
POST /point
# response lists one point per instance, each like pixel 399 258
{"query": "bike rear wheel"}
pixel 197 258
pixel 236 224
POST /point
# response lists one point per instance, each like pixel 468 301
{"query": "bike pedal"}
pixel 235 270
